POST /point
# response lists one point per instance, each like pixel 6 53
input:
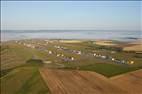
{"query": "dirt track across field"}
pixel 78 82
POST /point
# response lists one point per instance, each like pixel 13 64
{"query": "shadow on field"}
pixel 35 62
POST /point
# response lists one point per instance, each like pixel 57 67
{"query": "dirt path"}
pixel 78 82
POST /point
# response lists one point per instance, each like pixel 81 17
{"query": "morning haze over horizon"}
pixel 70 15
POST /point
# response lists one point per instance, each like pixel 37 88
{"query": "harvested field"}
pixel 78 82
pixel 132 82
pixel 136 48
pixel 105 43
pixel 70 41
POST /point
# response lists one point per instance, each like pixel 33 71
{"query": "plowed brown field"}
pixel 131 82
pixel 78 82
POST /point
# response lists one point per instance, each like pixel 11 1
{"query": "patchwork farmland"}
pixel 41 66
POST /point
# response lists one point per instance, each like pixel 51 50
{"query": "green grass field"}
pixel 24 79
pixel 108 70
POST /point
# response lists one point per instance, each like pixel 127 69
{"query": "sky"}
pixel 82 15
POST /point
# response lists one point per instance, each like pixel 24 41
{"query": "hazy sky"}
pixel 102 15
